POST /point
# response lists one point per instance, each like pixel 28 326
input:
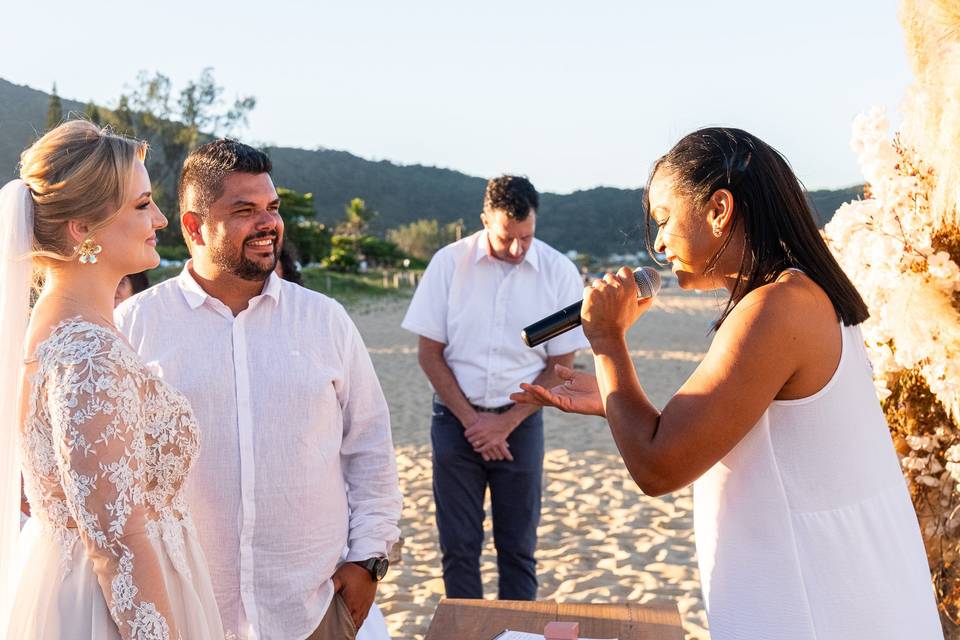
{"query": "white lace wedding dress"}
pixel 110 550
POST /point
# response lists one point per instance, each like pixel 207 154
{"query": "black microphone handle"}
pixel 648 285
pixel 553 325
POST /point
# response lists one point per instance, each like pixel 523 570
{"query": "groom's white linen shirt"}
pixel 477 305
pixel 296 458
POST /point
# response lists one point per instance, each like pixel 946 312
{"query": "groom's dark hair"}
pixel 206 167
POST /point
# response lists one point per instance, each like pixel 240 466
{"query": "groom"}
pixel 296 461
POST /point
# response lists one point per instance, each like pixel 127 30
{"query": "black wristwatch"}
pixel 376 566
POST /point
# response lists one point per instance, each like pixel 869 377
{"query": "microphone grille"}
pixel 648 281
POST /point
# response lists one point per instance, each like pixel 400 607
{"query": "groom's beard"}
pixel 237 263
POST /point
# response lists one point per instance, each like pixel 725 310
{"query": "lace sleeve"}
pixel 95 403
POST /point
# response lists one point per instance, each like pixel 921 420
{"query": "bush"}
pixel 301 227
pixel 312 239
pixel 343 255
pixel 177 252
pixel 422 238
pixel 380 253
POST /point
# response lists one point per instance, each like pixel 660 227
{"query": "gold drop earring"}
pixel 88 251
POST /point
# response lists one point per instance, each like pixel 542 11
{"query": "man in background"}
pixel 475 297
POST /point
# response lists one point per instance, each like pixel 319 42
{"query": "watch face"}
pixel 380 568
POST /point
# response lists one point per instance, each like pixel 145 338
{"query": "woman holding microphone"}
pixel 803 523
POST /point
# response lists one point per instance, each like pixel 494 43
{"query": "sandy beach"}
pixel 601 539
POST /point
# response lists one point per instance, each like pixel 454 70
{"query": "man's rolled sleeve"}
pixel 367 456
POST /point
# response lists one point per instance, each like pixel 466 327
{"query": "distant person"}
pixel 803 522
pixel 475 297
pixel 131 285
pixel 287 265
pixel 298 460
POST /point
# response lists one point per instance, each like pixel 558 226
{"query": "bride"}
pixel 104 446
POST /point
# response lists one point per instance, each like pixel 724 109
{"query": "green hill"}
pixel 23 115
pixel 596 221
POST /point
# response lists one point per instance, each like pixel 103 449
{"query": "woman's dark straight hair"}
pixel 769 204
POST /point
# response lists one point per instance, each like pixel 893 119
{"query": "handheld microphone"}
pixel 648 284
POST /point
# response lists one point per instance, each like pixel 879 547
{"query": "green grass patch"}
pixel 354 289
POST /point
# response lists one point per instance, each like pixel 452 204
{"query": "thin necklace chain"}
pixel 83 305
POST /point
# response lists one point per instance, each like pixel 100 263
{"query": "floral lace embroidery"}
pixel 106 447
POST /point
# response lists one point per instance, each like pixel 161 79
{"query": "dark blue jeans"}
pixel 460 480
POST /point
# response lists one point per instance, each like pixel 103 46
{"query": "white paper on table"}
pixel 507 634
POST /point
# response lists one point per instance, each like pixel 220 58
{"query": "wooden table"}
pixel 483 619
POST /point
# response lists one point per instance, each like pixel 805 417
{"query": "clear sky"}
pixel 573 94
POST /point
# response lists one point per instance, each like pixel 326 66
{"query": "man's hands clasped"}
pixel 488 435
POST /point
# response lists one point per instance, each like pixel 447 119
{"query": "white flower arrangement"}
pixel 885 243
pixel 900 246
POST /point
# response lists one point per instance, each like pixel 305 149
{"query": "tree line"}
pixel 174 124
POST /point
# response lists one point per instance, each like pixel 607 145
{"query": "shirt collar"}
pixel 196 296
pixel 532 257
pixel 272 287
pixel 192 291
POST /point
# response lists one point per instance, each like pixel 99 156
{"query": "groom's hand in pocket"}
pixel 357 588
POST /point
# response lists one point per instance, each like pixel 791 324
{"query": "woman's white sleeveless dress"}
pixel 110 551
pixel 805 530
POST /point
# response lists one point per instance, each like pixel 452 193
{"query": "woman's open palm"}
pixel 578 393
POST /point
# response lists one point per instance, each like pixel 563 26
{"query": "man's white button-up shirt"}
pixel 477 305
pixel 296 461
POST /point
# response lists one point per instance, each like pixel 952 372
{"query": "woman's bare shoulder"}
pixel 793 301
pixel 794 323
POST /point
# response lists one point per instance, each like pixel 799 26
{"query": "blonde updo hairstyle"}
pixel 77 171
